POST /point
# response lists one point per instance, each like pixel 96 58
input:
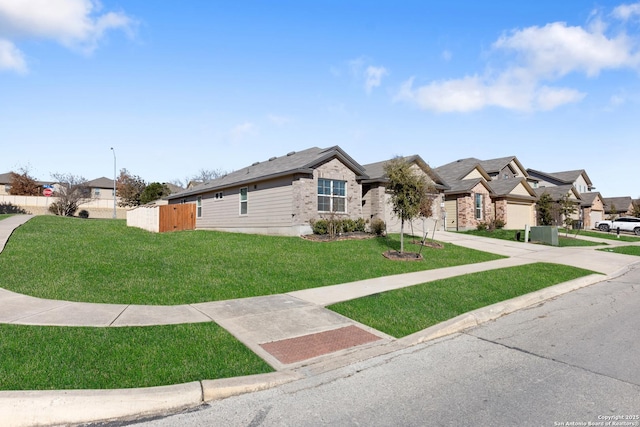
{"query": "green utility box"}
pixel 544 234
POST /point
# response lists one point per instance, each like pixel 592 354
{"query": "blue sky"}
pixel 180 86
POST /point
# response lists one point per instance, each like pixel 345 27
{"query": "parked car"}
pixel 623 223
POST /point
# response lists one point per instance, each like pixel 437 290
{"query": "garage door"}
pixel 518 215
pixel 596 216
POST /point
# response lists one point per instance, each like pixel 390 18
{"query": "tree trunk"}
pixel 402 236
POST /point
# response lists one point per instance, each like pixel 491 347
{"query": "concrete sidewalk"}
pixel 293 332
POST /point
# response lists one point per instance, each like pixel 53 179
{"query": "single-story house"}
pixel 618 206
pixel 486 190
pixel 101 188
pixel 376 200
pixel 280 195
pixel 557 193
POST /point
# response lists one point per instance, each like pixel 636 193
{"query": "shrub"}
pixel 482 226
pixel 378 227
pixel 83 213
pixel 360 225
pixel 498 223
pixel 320 226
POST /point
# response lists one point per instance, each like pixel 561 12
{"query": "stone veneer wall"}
pixel 466 209
pixel 501 210
pixel 305 192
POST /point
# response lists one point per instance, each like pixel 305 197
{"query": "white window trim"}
pixel 246 201
pixel 199 207
pixel 331 196
pixel 478 210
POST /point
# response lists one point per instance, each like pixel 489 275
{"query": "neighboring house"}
pixel 280 195
pixel 592 207
pixel 5 183
pixel 557 193
pixel 101 188
pixel 618 206
pixel 580 181
pixel 376 200
pixel 480 191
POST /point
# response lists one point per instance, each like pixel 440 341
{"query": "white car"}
pixel 623 223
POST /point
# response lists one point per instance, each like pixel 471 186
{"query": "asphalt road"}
pixel 574 360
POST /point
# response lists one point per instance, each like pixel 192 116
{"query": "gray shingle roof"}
pixel 504 187
pixel 102 182
pixel 457 170
pixel 589 198
pixel 556 192
pixel 375 171
pixel 564 177
pixel 293 162
pixel 620 203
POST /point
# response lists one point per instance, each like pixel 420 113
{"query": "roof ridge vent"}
pixel 291 153
pixel 256 163
pixel 272 158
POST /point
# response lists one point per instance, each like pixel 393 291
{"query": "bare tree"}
pixel 71 191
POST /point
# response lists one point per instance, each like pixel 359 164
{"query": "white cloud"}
pixel 447 55
pixel 555 50
pixel 11 58
pixel 75 24
pixel 242 130
pixel 625 12
pixel 373 77
pixel 540 55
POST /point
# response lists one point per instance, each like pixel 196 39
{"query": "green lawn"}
pixel 55 358
pixel 563 240
pixel 408 310
pixel 3 216
pixel 611 236
pixel 107 262
pixel 627 250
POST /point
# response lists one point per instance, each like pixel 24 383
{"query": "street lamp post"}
pixel 114 183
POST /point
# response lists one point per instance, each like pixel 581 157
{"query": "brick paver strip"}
pixel 308 346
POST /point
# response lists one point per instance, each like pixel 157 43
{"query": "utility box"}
pixel 544 234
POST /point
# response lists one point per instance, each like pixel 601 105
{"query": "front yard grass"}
pixel 3 216
pixel 563 240
pixel 56 358
pixel 610 236
pixel 408 310
pixel 627 250
pixel 105 261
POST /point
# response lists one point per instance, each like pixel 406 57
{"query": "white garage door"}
pixel 518 216
pixel 596 216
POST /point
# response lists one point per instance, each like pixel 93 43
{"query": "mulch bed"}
pixel 357 235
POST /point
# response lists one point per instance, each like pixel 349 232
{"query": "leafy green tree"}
pixel 129 189
pixel 567 208
pixel 613 212
pixel 407 190
pixel 544 206
pixel 154 191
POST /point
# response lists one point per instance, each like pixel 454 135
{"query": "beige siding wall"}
pixel 269 205
pixel 520 190
pixel 451 212
pixel 581 185
pixel 474 174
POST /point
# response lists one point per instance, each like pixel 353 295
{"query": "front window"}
pixel 332 195
pixel 244 193
pixel 97 192
pixel 199 207
pixel 478 206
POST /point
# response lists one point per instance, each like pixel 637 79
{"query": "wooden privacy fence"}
pixel 177 217
pixel 163 218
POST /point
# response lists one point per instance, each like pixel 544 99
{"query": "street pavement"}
pixel 278 327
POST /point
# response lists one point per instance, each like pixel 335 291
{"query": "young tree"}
pixel 544 206
pixel 407 190
pixel 613 212
pixel 129 189
pixel 22 184
pixel 154 191
pixel 71 192
pixel 567 208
